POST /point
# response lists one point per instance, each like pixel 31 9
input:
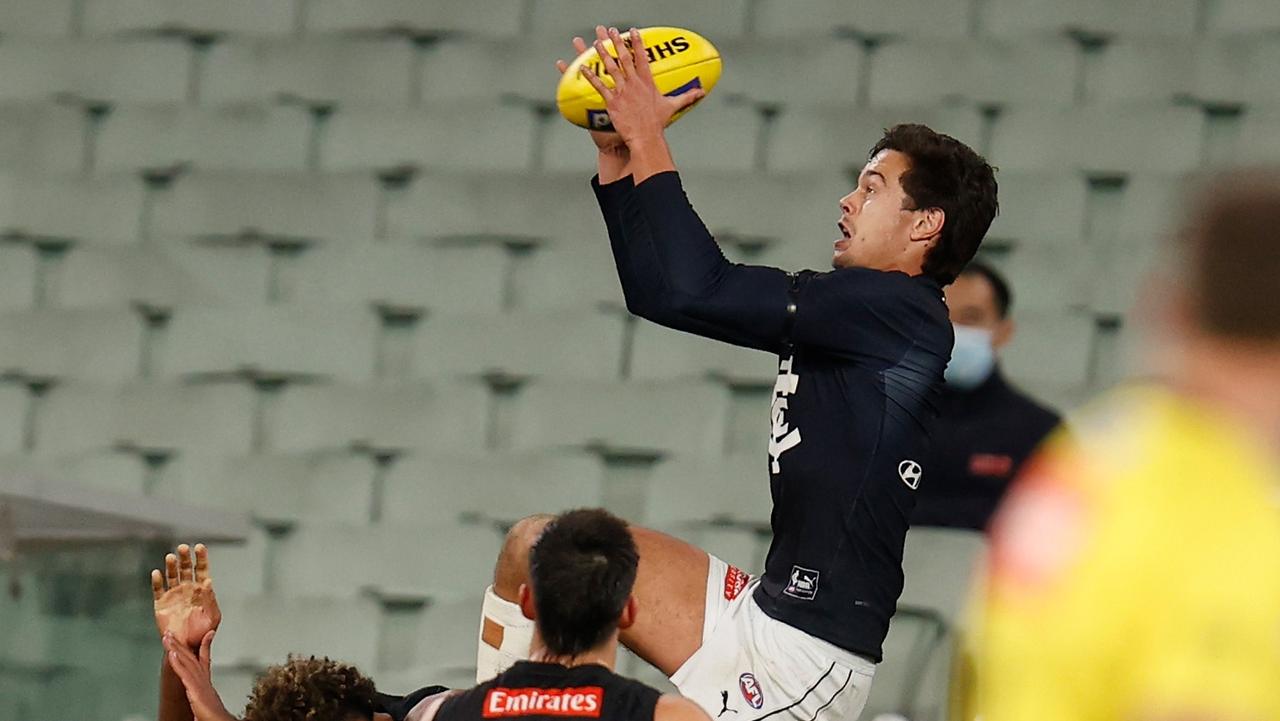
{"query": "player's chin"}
pixel 842 255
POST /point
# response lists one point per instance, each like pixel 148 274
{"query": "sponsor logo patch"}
pixel 585 702
pixel 804 583
pixel 751 690
pixel 734 581
pixel 910 471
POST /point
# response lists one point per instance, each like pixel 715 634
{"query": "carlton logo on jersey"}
pixel 782 437
pixel 585 702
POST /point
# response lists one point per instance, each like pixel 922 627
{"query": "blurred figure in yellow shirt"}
pixel 1135 567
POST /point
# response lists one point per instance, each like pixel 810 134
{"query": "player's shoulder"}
pixel 678 708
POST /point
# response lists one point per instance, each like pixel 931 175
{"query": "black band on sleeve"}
pixel 798 279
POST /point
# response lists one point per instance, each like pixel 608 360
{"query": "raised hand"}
pixel 638 111
pixel 183 599
pixel 197 677
pixel 606 141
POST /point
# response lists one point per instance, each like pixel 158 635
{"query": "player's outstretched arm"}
pixel 186 610
pixel 194 669
pixel 678 708
pixel 672 270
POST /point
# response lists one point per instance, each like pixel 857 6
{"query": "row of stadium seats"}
pixel 395 72
pixel 730 18
pixel 494 136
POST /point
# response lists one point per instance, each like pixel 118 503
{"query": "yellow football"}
pixel 680 60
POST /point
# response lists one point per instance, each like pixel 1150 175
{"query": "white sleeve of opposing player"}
pixel 501 622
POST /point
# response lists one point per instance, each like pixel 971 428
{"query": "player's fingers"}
pixel 185 571
pixel 597 83
pixel 562 67
pixel 688 97
pixel 579 44
pixel 171 570
pixel 625 60
pixel 641 57
pixel 202 562
pixel 610 66
pixel 206 649
pixel 157 585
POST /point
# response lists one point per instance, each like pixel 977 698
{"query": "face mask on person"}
pixel 972 358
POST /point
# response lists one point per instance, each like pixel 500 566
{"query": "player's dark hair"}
pixel 582 570
pixel 999 286
pixel 311 689
pixel 1232 256
pixel 945 173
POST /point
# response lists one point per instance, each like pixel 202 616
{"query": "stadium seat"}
pixel 37 18
pixel 139 71
pixel 562 276
pixel 499 205
pixel 1259 139
pixel 839 139
pixel 277 487
pixel 1052 347
pixel 444 416
pixel 86 344
pixel 412 17
pixel 263 630
pixel 17 277
pixel 1137 18
pixel 1243 17
pixel 696 490
pixel 939 565
pixel 660 353
pixel 108 208
pixel 435 488
pixel 465 69
pixel 1048 277
pixel 377 72
pixel 1099 139
pixel 491 135
pixel 586 345
pixel 451 561
pixel 107 276
pixel 43 138
pixel 448 635
pixel 14 405
pixel 77 417
pixel 921 72
pixel 241 17
pixel 257 138
pixel 782 71
pixel 1040 208
pixel 668 416
pixel 239 569
pixel 721 136
pixel 562 19
pixel 335 342
pixel 456 278
pixel 927 18
pixel 289 205
pixel 1141 70
pixel 109 471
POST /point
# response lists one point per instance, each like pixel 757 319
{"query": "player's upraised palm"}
pixel 183 598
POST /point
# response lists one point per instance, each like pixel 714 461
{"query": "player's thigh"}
pixel 671 592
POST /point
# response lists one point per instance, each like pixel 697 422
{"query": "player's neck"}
pixel 1243 380
pixel 606 654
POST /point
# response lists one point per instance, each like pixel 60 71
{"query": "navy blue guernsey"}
pixel 861 354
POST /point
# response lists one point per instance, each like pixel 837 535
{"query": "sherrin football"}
pixel 680 60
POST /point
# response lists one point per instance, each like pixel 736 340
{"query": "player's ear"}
pixel 928 223
pixel 628 617
pixel 525 594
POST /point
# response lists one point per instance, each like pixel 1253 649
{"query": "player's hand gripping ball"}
pixel 679 60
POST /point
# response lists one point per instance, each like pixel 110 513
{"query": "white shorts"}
pixel 751 666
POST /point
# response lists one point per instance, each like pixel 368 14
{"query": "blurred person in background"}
pixel 986 427
pixel 1135 569
pixel 301 689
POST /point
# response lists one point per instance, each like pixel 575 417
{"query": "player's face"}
pixel 875 219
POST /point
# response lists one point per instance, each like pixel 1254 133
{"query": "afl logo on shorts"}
pixel 751 691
